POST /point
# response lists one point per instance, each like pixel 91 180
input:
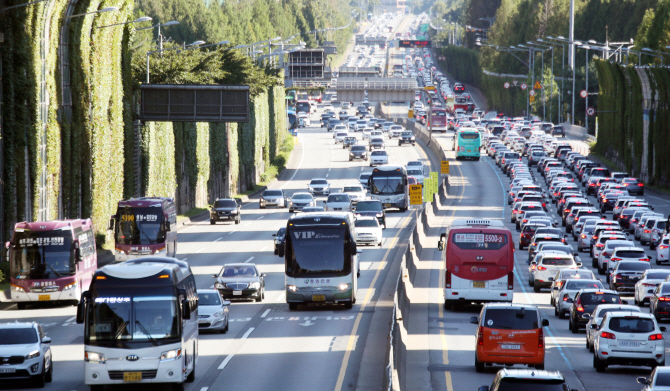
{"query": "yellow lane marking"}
pixel 368 296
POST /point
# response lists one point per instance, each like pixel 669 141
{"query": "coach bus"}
pixel 468 143
pixel 321 259
pixel 143 226
pixel 388 184
pixel 140 324
pixel 51 261
pixel 479 262
pixel 439 119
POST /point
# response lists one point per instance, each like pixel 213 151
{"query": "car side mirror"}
pixel 186 309
pixel 81 310
pixel 545 322
pixel 579 264
pixel 46 340
pixel 586 316
pixel 551 278
pixel 225 303
pixel 215 275
pixel 474 320
pixel 77 254
pixel 263 275
pixel 569 300
pixel 440 245
pixel 593 326
pixel 483 388
pixel 167 226
pixel 663 329
pixel 533 263
pixel 274 234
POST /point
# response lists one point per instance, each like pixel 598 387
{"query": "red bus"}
pixel 51 261
pixel 143 227
pixel 479 260
pixel 440 119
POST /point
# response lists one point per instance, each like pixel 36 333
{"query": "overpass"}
pixel 379 89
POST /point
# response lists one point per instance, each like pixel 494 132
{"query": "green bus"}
pixel 468 144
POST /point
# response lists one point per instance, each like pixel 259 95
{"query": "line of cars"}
pixel 617 333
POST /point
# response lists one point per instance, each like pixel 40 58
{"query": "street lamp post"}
pixel 648 51
pixel 160 36
pixel 551 106
pixel 586 71
pixel 138 20
pixel 572 65
pixel 560 96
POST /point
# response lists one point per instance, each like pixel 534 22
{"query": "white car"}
pixel 395 131
pixel 417 174
pixel 339 129
pixel 339 136
pixel 299 201
pixel 659 380
pixel 356 192
pixel 562 303
pixel 622 253
pixel 305 117
pixel 376 133
pixel 645 286
pixel 319 186
pixel 212 311
pixel 367 131
pixel 597 316
pixel 606 251
pixel 368 231
pixel 663 250
pixel 26 351
pixel 542 270
pixel 339 202
pixel 378 157
pixel 626 338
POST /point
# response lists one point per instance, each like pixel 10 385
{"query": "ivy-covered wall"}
pixel 158 159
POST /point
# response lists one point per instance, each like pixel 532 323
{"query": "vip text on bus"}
pixel 479 262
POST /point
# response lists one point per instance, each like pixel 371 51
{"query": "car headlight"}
pixel 16 288
pixel 218 285
pixel 218 314
pixel 255 285
pixel 292 288
pixel 171 355
pixel 33 354
pixel 95 358
pixel 234 212
pixel 70 286
pixel 343 287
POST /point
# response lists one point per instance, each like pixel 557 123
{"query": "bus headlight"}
pixel 343 287
pixel 16 288
pixel 255 285
pixel 95 358
pixel 292 288
pixel 171 355
pixel 70 286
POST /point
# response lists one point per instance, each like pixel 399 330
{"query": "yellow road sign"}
pixel 410 113
pixel 532 98
pixel 415 195
pixel 433 183
pixel 537 85
pixel 429 88
pixel 445 167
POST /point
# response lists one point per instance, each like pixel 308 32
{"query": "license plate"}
pixel 203 321
pixel 7 370
pixel 479 284
pixel 469 150
pixel 318 297
pixel 513 347
pixel 237 293
pixel 132 376
pixel 44 297
pixel 387 205
pixel 629 344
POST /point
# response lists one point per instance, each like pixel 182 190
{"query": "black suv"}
pixel 225 209
pixel 280 239
pixel 358 152
pixel 406 138
pixel 372 208
pixel 558 131
pixel 586 301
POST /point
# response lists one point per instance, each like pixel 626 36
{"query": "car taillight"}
pixel 606 254
pixel 664 298
pixel 559 284
pixel 592 184
pixel 541 268
pixel 567 210
pixel 583 236
pixel 480 336
pixel 640 184
pixel 510 280
pixel 607 335
pixel 540 338
pixel 618 277
pixel 578 305
pixel 533 267
pixel 447 278
pixel 645 259
pixel 656 337
pixel 604 199
pixel 647 231
pixel 544 205
pixel 566 297
pixel 662 247
pixel 613 259
pixel 600 245
pixel 648 285
pixel 525 220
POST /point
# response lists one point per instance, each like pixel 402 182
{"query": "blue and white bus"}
pixel 321 259
pixel 388 184
pixel 140 324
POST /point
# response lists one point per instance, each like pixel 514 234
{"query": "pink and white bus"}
pixel 51 261
pixel 143 227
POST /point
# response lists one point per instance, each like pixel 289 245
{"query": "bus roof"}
pixel 476 223
pixel 387 169
pixel 320 218
pixel 174 269
pixel 52 225
pixel 145 201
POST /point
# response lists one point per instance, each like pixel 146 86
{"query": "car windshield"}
pixel 600 298
pixel 357 148
pixel 238 271
pixel 548 231
pixel 557 261
pixel 603 311
pixel 18 336
pixel 659 275
pixel 387 185
pixel 407 134
pixel 378 153
pixel 367 223
pixel 231 203
pixel 317 252
pixel 632 324
pixel 272 193
pixel 213 298
pixel 369 207
pixel 338 198
pixel 633 266
pixel 318 182
pixel 629 253
pixel 415 172
pixel 302 197
pixel 577 284
pixel 352 189
pixel 511 318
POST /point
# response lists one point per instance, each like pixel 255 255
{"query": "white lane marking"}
pixel 204 389
pixel 264 247
pixel 327 175
pixel 72 319
pixel 230 356
pixel 184 260
pixel 265 313
pixel 218 239
pixel 281 296
pixel 260 218
pixel 247 261
pixel 211 287
pixel 247 224
pixel 299 165
pixel 328 169
pixel 231 232
pixel 200 250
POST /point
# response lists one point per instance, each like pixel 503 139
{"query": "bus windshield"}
pixel 317 251
pixel 468 135
pixel 139 226
pixel 387 185
pixel 117 314
pixel 42 255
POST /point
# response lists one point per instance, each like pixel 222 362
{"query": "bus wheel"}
pixel 191 376
pixel 292 306
pixel 21 306
pixel 402 210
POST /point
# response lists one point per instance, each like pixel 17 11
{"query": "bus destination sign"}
pixel 413 43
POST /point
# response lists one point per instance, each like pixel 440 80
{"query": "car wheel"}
pixel 556 313
pixel 520 246
pixel 599 364
pixel 479 366
pixel 292 306
pixel 574 329
pixel 191 376
pixel 212 222
pixel 21 306
pixel 540 367
pixel 40 380
pixel 379 244
pixel 97 388
pixel 536 288
pixel 50 374
pixel 238 220
pixel 261 206
pixel 260 296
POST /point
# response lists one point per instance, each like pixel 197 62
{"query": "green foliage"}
pixel 653 31
pixel 461 63
pixel 4 271
pixel 158 159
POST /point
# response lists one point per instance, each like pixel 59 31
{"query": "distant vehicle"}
pixel 225 209
pixel 212 311
pixel 240 281
pixel 368 231
pixel 51 261
pixel 143 226
pixel 388 184
pixel 468 143
pixel 439 119
pixel 280 238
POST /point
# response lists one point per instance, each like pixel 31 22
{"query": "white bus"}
pixel 388 184
pixel 321 259
pixel 140 324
